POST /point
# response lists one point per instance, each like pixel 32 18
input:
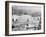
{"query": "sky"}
pixel 26 9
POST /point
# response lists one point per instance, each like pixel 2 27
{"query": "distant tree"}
pixel 27 20
pixel 25 13
pixel 12 19
pixel 16 19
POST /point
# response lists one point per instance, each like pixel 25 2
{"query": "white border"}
pixel 24 32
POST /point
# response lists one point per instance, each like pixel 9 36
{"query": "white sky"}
pixel 31 9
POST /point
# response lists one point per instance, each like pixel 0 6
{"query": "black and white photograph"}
pixel 25 18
